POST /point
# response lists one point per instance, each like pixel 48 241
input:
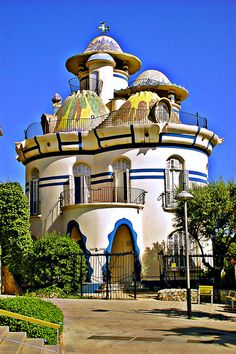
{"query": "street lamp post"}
pixel 185 196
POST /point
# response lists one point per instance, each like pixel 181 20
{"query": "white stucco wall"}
pixel 152 223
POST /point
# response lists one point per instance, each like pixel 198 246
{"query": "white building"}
pixel 108 161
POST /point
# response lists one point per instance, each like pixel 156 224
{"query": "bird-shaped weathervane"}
pixel 103 28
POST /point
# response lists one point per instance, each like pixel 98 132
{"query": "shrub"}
pixel 58 261
pixel 49 292
pixel 32 307
pixel 16 241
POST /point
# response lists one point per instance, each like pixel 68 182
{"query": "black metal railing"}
pixel 193 119
pixel 34 129
pixel 102 195
pixel 168 200
pixel 121 117
pixel 88 83
pixel 96 275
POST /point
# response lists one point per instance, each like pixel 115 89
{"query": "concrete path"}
pixel 146 326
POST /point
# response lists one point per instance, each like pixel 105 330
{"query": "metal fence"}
pixel 173 270
pixel 120 276
pixel 105 276
pixel 113 276
pixel 102 195
pixel 121 117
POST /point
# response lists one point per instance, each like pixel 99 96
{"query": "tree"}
pixel 151 259
pixel 59 261
pixel 15 238
pixel 211 216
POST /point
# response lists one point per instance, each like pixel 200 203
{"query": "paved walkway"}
pixel 146 326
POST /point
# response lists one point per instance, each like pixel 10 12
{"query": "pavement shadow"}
pixel 204 335
pixel 173 312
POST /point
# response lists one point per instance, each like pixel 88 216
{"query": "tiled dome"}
pixel 78 109
pixel 103 44
pixel 153 75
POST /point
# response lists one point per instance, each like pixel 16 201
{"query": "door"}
pixel 122 267
pixel 121 180
pixel 82 175
pixel 81 189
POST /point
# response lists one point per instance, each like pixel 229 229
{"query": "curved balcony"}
pixel 88 83
pixel 102 195
pixel 122 117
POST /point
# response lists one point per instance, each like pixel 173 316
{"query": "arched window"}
pixel 82 183
pixel 34 192
pixel 162 113
pixel 121 180
pixel 176 251
pixel 175 178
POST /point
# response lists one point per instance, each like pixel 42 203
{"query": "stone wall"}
pixel 176 295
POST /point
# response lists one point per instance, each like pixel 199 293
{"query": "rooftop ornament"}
pixel 103 28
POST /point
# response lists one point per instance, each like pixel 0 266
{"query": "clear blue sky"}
pixel 192 42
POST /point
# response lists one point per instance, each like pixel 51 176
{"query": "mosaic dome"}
pixel 152 75
pixel 137 107
pixel 103 44
pixel 78 107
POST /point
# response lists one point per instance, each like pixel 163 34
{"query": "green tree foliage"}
pixel 15 238
pixel 32 307
pixel 59 261
pixel 211 216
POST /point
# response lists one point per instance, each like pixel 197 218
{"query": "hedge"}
pixel 32 307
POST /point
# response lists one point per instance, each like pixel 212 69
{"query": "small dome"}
pixel 137 107
pixel 101 56
pixel 103 44
pixel 106 45
pixel 77 108
pixel 152 75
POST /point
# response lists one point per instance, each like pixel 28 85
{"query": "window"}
pixel 94 83
pixel 121 180
pixel 34 192
pixel 175 248
pixel 176 251
pixel 175 177
pixel 162 112
pixel 82 183
pixel 84 83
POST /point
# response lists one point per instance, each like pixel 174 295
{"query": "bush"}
pixel 32 307
pixel 57 261
pixel 16 241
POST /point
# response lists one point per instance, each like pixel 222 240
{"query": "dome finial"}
pixel 103 28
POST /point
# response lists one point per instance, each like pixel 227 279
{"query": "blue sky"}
pixel 192 42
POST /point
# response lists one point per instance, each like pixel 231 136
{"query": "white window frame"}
pixel 175 177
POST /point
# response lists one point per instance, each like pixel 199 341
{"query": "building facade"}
pixel 105 166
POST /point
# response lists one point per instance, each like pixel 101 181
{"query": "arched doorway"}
pixel 122 266
pixel 73 230
pixel 75 235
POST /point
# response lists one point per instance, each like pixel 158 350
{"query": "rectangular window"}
pixel 34 197
pixel 175 180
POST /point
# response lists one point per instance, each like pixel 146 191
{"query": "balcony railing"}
pixel 122 117
pixel 102 195
pixel 87 83
pixel 168 200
